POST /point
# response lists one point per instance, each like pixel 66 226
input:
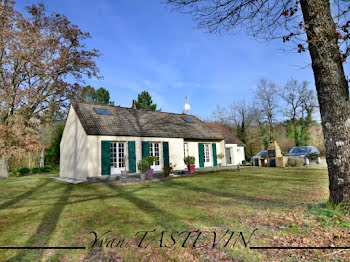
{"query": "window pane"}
pixel 121 155
pixel 150 149
pixel 102 111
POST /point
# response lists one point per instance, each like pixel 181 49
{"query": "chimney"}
pixel 133 105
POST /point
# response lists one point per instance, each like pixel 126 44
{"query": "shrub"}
pixel 57 168
pixel 14 172
pixel 24 170
pixel 45 169
pixel 245 162
pixel 35 170
pixel 295 162
pixel 143 165
pixel 150 160
pixel 167 169
pixel 189 160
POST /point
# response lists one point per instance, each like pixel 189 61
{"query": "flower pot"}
pixel 191 168
pixel 125 173
pixel 142 177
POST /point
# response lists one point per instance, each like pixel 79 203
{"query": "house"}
pixel 234 148
pixel 103 140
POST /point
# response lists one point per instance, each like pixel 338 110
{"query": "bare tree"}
pixel 242 113
pixel 245 117
pixel 266 96
pixel 291 94
pixel 319 26
pixel 308 101
pixel 43 61
pixel 300 104
pixel 221 116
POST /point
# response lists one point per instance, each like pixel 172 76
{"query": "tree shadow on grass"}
pixel 248 199
pixel 160 217
pixel 45 230
pixel 24 195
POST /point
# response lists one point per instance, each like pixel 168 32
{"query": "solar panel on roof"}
pixel 102 111
pixel 188 120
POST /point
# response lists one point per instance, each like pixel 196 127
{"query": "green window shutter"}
pixel 215 160
pixel 166 153
pixel 105 157
pixel 132 156
pixel 145 149
pixel 201 154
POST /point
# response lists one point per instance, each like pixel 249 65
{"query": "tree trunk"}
pixel 42 153
pixel 332 92
pixel 3 168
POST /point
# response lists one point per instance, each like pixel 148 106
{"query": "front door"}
pixel 154 150
pixel 206 154
pixel 228 156
pixel 118 153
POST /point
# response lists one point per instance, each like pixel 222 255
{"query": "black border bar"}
pixel 300 248
pixel 42 247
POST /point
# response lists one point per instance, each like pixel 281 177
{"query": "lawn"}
pixel 284 205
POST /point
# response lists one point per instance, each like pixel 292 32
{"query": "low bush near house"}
pixel 14 172
pixel 35 170
pixel 45 169
pixel 23 171
pixel 168 169
pixel 295 162
pixel 245 162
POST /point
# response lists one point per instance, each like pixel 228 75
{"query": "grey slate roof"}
pixel 142 123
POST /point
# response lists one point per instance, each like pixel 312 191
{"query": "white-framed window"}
pixel 185 149
pixel 206 154
pixel 118 154
pixel 154 150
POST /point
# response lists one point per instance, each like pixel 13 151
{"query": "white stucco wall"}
pixel 237 153
pixel 73 148
pixel 176 151
pixel 240 154
pixel 193 150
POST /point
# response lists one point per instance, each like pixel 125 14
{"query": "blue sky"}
pixel 145 46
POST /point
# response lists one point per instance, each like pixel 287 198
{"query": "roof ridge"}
pixel 132 122
pixel 141 109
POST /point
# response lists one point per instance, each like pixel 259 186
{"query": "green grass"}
pixel 287 206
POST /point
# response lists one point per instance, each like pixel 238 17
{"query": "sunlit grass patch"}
pixel 279 203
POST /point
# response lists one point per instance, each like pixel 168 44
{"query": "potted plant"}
pixel 143 167
pixel 167 170
pixel 150 160
pixel 189 161
pixel 221 157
